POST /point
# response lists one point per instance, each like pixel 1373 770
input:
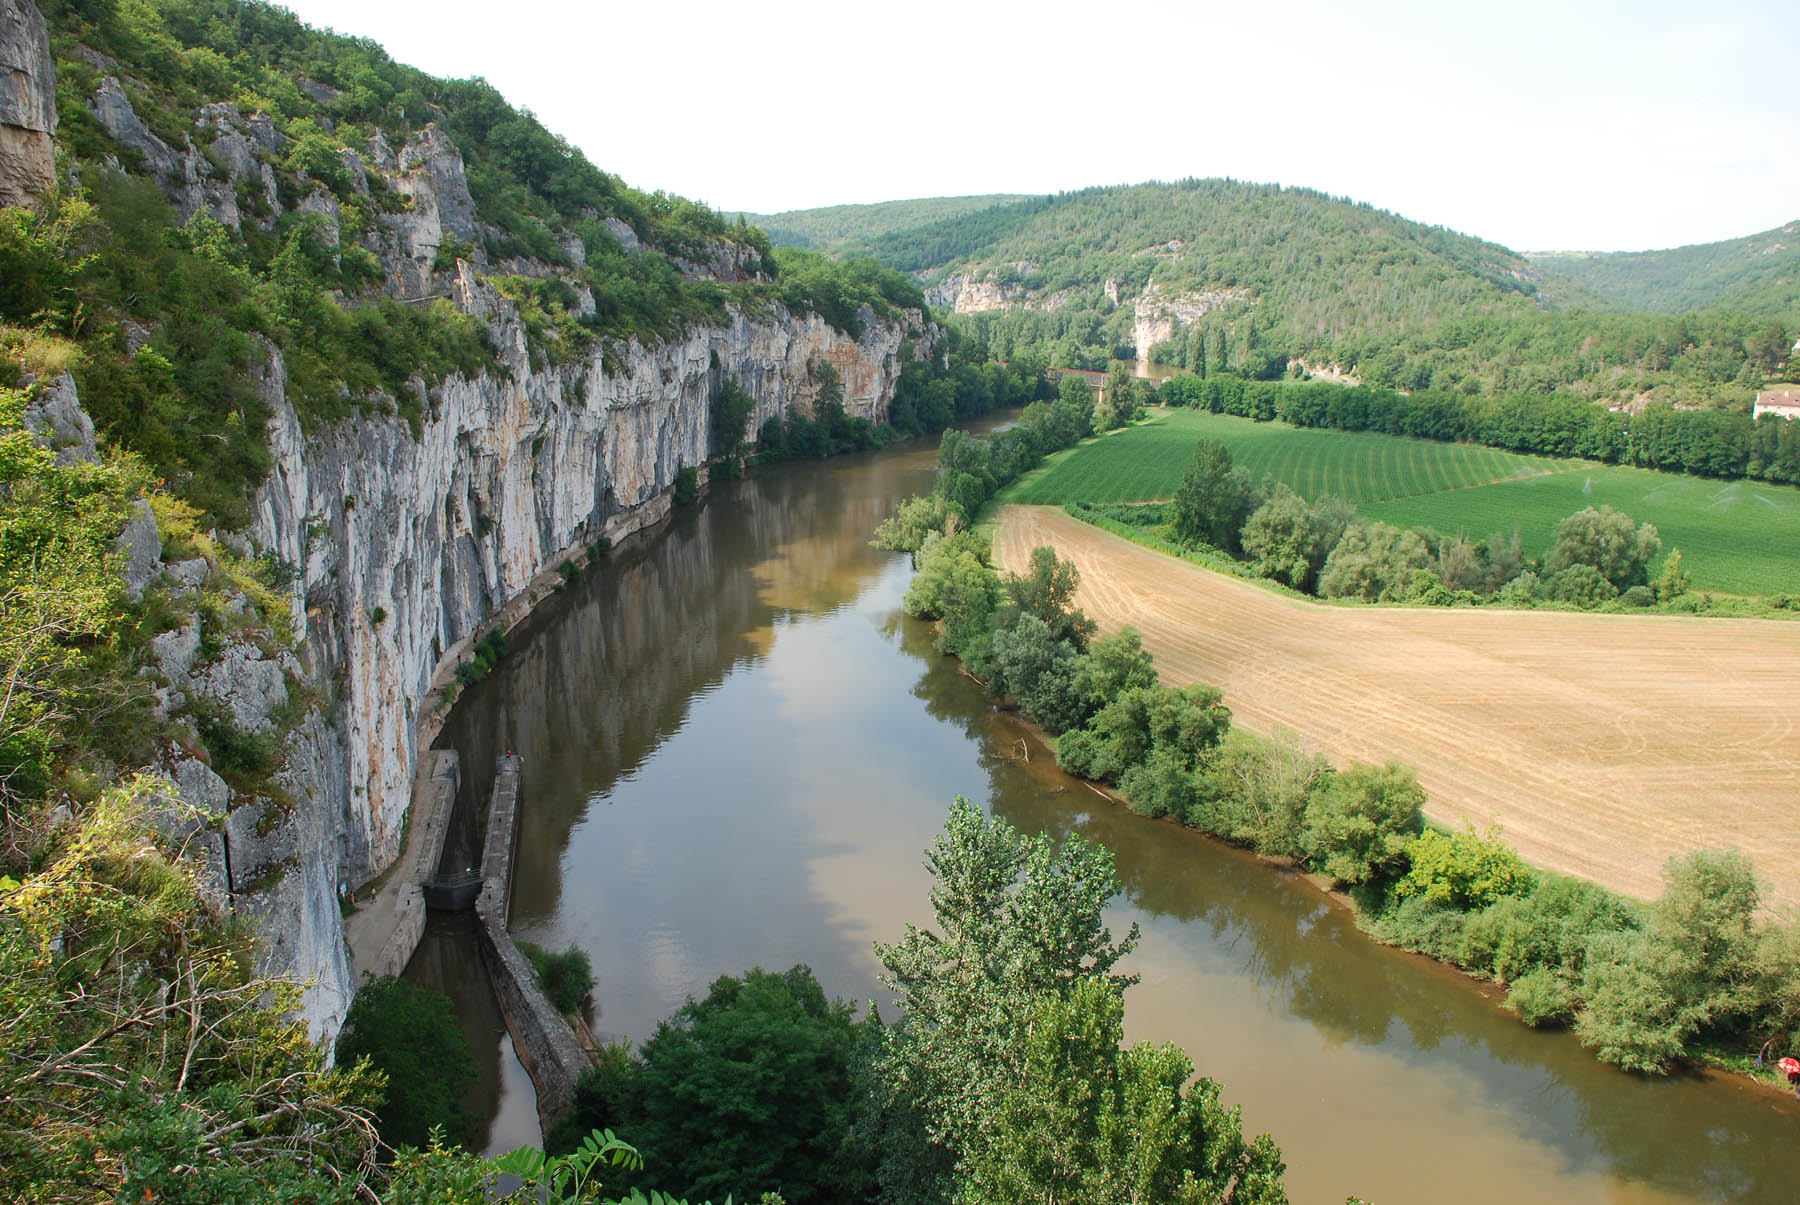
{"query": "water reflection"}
pixel 736 748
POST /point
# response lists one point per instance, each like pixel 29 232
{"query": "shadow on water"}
pixel 736 748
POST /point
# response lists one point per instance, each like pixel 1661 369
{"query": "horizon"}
pixel 1005 197
pixel 1614 128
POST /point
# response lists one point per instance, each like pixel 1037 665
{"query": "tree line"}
pixel 1708 443
pixel 1324 549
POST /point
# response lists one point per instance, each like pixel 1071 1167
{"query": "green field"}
pixel 1735 536
pixel 1146 462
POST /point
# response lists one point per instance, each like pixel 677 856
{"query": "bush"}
pixel 1582 585
pixel 411 1035
pixel 1462 870
pixel 1542 998
pixel 567 978
pixel 1358 828
pixel 687 486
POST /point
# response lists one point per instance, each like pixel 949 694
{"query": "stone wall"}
pixel 546 1046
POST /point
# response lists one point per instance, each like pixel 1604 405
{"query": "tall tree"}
pixel 1003 1081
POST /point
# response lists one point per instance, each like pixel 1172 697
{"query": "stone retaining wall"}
pixel 546 1046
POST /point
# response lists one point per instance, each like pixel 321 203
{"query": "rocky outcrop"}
pixel 27 104
pixel 1158 315
pixel 55 414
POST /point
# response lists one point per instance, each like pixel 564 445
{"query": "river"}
pixel 736 748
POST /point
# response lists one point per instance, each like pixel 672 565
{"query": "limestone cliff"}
pixel 27 104
pixel 407 545
pixel 402 541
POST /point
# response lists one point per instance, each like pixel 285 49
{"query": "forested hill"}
pixel 836 227
pixel 229 174
pixel 1757 274
pixel 1258 278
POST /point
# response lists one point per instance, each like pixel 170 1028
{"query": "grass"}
pixel 1737 537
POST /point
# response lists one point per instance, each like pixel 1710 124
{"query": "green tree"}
pixel 1693 968
pixel 954 584
pixel 1113 664
pixel 1374 562
pixel 1607 540
pixel 1213 498
pixel 731 411
pixel 1288 540
pixel 1358 827
pixel 1259 791
pixel 1003 1079
pixel 749 1091
pixel 411 1035
pixel 1018 919
pixel 1462 870
pixel 1047 591
pixel 1089 1123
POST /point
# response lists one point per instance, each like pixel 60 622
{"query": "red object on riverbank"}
pixel 1789 1066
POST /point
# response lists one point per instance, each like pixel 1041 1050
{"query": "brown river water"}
pixel 736 748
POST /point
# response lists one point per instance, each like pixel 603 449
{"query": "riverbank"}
pixel 738 704
pixel 1603 745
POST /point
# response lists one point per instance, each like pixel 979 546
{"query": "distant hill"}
pixel 1759 274
pixel 1258 279
pixel 838 226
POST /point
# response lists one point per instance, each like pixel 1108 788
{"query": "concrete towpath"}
pixel 385 929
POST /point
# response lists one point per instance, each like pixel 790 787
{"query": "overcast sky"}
pixel 1561 125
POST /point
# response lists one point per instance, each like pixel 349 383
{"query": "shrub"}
pixel 1358 828
pixel 1462 870
pixel 1582 585
pixel 411 1035
pixel 1541 998
pixel 687 486
pixel 567 978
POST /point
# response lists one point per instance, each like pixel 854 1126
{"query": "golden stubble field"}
pixel 1602 744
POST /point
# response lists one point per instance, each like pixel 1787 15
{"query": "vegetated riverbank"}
pixel 1643 986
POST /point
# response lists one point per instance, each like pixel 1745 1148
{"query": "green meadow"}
pixel 1740 537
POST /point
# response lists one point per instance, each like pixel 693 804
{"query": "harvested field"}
pixel 1603 744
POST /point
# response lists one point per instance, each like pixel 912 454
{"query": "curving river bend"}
pixel 736 748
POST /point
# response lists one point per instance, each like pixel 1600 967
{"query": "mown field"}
pixel 1603 744
pixel 1738 537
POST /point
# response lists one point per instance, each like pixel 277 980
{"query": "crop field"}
pixel 1146 462
pixel 1740 537
pixel 1602 744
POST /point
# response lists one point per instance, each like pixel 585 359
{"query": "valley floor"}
pixel 1602 744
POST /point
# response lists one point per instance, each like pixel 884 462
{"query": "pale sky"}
pixel 1543 126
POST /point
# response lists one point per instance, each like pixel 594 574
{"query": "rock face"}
pixel 1158 316
pixel 406 545
pixel 27 104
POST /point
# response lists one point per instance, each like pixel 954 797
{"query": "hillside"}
pixel 242 177
pixel 1758 274
pixel 315 371
pixel 837 227
pixel 1255 278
